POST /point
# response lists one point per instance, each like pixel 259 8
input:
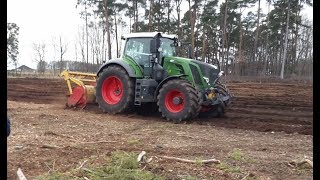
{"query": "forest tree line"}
pixel 250 44
pixel 234 34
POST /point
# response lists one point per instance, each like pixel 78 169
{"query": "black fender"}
pixel 118 62
pixel 164 81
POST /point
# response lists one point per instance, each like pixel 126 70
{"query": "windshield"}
pixel 139 49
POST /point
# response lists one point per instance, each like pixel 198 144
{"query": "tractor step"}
pixel 137 94
pixel 144 91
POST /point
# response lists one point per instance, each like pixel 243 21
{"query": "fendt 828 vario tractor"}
pixel 149 73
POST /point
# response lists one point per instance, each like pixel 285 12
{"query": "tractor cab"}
pixel 140 46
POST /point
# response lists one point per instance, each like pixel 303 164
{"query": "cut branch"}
pixel 81 165
pixel 192 161
pixel 95 142
pixel 49 146
pixel 21 175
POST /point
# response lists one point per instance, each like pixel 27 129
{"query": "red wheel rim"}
pixel 172 106
pixel 112 90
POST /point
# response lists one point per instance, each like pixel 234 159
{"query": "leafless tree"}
pixel 60 47
pixel 40 51
pixel 81 43
pixel 106 14
pixel 285 43
pixel 224 34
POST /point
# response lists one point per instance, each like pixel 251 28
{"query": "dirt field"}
pixel 268 124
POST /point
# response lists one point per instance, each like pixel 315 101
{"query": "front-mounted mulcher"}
pixel 149 74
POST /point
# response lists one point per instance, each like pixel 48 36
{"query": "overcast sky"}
pixel 42 20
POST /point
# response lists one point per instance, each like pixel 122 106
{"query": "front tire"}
pixel 223 91
pixel 178 100
pixel 114 90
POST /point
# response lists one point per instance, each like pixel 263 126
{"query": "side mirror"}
pixel 154 45
pixel 176 43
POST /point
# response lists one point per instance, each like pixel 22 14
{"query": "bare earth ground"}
pixel 269 123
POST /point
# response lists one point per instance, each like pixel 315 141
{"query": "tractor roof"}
pixel 147 34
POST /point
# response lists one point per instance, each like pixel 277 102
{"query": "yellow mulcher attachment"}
pixel 82 90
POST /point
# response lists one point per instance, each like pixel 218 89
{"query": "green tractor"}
pixel 149 73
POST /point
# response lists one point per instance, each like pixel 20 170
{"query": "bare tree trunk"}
pixel 150 16
pixel 76 51
pixel 224 34
pixel 92 42
pixel 227 60
pixel 87 34
pixel 62 49
pixel 168 17
pixel 102 50
pixel 178 3
pixel 240 61
pixel 81 43
pixel 61 54
pixel 93 53
pixel 267 45
pixel 130 25
pixel 295 58
pixel 116 33
pixel 107 27
pixel 306 52
pixel 285 43
pixel 281 47
pixel 232 61
pixel 257 35
pixel 136 15
pixel 203 45
pixel 192 22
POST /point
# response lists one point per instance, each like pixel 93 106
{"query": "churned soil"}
pixel 267 124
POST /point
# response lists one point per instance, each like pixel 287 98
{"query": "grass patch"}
pixel 124 160
pixel 120 166
pixel 251 178
pixel 199 161
pixel 190 178
pixel 55 176
pixel 227 168
pixel 238 155
pixel 123 165
pixel 134 142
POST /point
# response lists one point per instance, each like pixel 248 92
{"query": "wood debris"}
pixel 207 161
pixel 20 175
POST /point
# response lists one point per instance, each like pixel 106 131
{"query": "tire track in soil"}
pixel 260 107
pixel 36 90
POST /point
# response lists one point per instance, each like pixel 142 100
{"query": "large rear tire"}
pixel 114 90
pixel 178 100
